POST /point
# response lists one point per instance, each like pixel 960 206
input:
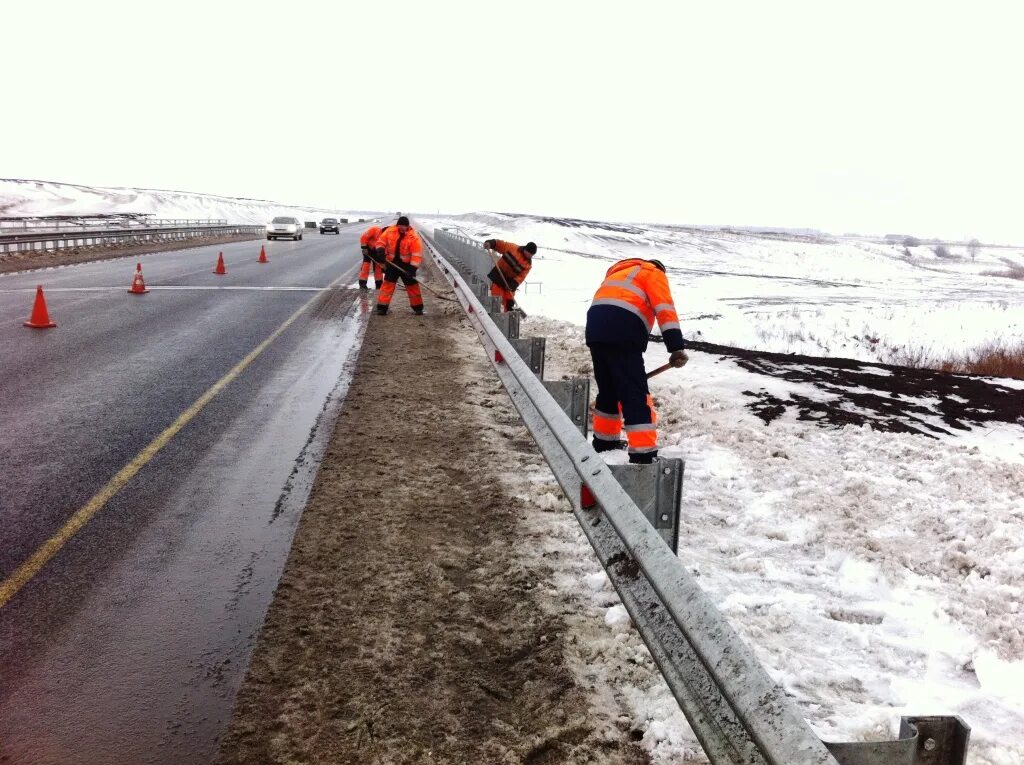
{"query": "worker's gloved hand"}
pixel 678 358
pixel 379 254
pixel 410 271
pixel 365 249
pixel 490 244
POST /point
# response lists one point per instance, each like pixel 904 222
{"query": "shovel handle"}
pixel 659 370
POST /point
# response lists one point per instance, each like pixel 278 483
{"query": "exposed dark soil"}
pixel 24 261
pixel 407 627
pixel 889 398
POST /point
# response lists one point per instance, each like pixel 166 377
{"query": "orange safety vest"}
pixel 371 235
pixel 514 265
pixel 408 245
pixel 641 288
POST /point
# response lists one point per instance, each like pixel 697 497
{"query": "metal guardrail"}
pixel 72 223
pixel 11 242
pixel 740 716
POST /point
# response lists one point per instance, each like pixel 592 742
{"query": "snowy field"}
pixel 813 294
pixel 29 198
pixel 876 574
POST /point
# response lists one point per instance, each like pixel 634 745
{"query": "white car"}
pixel 284 228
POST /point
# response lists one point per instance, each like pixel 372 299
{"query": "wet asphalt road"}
pixel 128 644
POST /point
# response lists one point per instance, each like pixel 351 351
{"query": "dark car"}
pixel 330 225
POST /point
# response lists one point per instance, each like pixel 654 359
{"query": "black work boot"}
pixel 376 285
pixel 382 310
pixel 362 284
pixel 601 445
pixel 643 458
pixel 418 310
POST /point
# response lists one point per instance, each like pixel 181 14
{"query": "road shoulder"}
pixel 409 625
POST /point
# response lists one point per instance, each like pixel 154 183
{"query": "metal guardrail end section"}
pixel 740 716
pixel 939 740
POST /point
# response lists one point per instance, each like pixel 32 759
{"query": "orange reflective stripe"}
pixel 642 440
pixel 607 428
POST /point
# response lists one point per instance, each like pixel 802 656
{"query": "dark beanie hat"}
pixel 531 248
pixel 657 264
pixel 403 221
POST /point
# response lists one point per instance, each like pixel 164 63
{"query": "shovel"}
pixel 666 367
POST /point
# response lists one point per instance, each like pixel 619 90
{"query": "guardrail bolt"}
pixel 929 745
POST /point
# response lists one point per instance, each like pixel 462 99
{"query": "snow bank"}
pixel 28 198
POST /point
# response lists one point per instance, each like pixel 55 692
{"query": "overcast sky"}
pixel 854 116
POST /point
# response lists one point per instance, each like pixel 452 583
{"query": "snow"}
pixel 875 574
pixel 819 295
pixel 23 198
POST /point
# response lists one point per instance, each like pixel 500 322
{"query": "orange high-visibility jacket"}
pixel 370 236
pixel 409 247
pixel 639 287
pixel 514 265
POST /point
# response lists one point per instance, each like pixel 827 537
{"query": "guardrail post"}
pixel 492 304
pixel 531 349
pixel 657 489
pixel 922 741
pixel 508 323
pixel 574 398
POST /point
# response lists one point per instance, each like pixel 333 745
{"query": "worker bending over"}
pixel 367 243
pixel 511 269
pixel 634 293
pixel 399 246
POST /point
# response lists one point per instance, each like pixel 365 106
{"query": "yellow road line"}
pixel 24 573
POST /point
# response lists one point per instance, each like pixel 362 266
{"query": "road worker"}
pixel 401 248
pixel 511 270
pixel 367 242
pixel 634 293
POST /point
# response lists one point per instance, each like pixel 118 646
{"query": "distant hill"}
pixel 29 198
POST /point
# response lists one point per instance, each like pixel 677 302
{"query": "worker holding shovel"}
pixel 401 249
pixel 634 294
pixel 510 269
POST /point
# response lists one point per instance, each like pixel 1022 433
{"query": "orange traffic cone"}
pixel 40 318
pixel 138 283
pixel 263 255
pixel 220 265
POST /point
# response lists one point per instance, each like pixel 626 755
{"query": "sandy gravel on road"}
pixel 408 625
